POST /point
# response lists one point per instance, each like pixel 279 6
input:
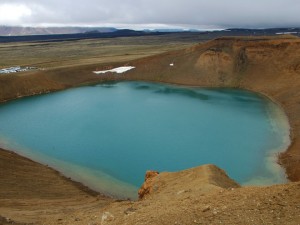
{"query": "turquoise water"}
pixel 108 135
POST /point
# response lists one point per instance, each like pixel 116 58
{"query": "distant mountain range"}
pixel 29 31
pixel 55 34
pixel 24 31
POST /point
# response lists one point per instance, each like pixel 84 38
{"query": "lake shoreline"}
pixel 281 151
pixel 274 74
pixel 88 177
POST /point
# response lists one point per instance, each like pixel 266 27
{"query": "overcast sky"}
pixel 205 14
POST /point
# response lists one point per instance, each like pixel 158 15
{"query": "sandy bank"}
pixel 30 190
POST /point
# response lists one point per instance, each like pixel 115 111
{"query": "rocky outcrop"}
pixel 206 195
pixel 202 179
pixel 147 186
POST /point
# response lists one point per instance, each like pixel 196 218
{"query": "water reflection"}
pixel 165 89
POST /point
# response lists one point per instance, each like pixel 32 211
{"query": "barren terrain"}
pixel 203 195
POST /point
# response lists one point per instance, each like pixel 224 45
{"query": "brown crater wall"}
pixel 270 66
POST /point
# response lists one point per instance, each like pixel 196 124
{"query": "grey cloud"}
pixel 200 13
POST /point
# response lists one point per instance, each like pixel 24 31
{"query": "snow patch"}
pixel 121 69
pixel 287 33
pixel 16 69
